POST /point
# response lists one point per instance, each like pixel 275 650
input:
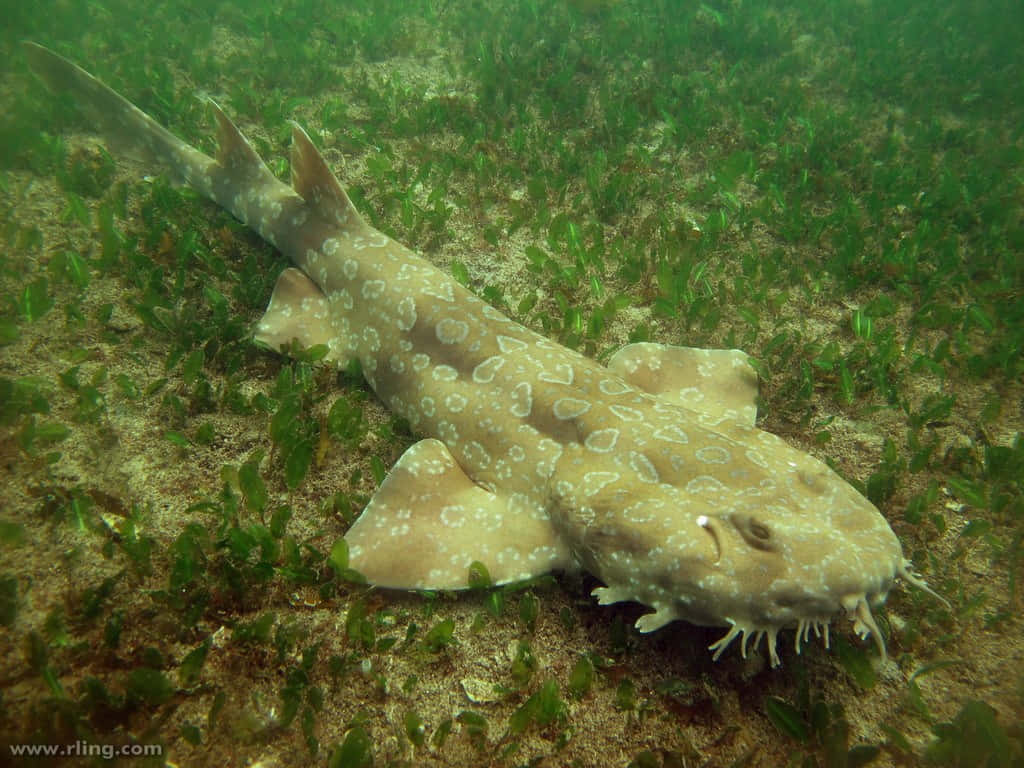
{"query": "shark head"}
pixel 802 548
pixel 703 517
pixel 771 539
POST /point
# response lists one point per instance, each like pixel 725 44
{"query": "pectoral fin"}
pixel 428 522
pixel 717 383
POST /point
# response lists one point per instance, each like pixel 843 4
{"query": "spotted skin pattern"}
pixel 649 473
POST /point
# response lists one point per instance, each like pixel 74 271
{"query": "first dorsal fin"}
pixel 315 183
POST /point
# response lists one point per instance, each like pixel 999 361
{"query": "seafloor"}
pixel 836 188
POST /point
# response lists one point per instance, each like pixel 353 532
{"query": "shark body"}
pixel 649 473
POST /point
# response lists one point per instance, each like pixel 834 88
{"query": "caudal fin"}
pixel 237 178
pixel 125 127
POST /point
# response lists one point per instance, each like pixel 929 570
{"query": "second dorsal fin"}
pixel 234 153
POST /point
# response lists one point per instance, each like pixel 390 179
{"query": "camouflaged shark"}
pixel 649 473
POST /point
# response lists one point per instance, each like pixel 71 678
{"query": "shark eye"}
pixel 760 531
pixel 754 532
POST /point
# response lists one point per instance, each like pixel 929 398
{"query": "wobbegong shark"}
pixel 649 472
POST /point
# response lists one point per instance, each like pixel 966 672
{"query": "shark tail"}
pixel 126 127
pixel 238 180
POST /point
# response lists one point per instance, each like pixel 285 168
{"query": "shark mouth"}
pixel 857 607
pixel 750 636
